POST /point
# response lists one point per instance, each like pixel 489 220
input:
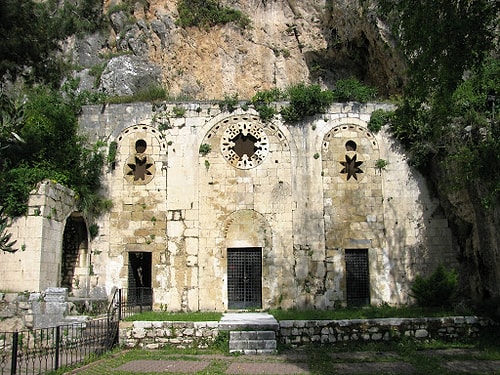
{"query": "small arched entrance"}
pixel 75 267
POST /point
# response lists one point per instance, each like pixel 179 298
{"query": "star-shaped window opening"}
pixel 244 145
pixel 140 168
pixel 351 167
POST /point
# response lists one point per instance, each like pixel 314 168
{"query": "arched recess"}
pixel 75 262
pixel 248 240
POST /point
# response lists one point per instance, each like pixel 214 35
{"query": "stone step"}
pixel 252 342
pixel 248 321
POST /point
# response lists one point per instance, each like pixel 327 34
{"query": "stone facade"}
pixel 196 189
pixel 218 211
pixel 37 263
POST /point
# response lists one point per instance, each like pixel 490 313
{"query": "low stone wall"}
pixel 302 332
pixel 154 335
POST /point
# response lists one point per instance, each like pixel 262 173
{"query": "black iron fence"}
pixel 132 301
pixel 40 351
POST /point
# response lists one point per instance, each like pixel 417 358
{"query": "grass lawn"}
pixel 426 358
pixel 423 358
pixel 199 316
pixel 367 312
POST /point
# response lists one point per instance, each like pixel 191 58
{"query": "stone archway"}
pixel 75 265
pixel 248 242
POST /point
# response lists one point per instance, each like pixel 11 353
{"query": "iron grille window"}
pixel 358 279
pixel 244 278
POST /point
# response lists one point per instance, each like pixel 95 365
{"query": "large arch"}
pixel 248 269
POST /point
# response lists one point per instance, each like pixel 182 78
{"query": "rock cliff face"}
pixel 476 231
pixel 287 42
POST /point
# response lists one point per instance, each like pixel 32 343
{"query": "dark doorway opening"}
pixel 74 269
pixel 139 279
pixel 358 278
pixel 244 278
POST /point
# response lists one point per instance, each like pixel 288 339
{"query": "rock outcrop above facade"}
pixel 287 42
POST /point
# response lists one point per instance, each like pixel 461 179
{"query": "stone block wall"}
pixel 154 335
pixel 303 332
pixel 39 235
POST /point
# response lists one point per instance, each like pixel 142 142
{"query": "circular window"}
pixel 140 146
pixel 244 144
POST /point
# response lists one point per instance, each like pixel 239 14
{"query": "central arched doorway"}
pixel 244 278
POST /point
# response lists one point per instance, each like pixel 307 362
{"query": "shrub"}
pixel 150 93
pixel 6 244
pixel 262 102
pixel 306 101
pixel 113 147
pixel 229 103
pixel 437 290
pixel 179 111
pixel 208 13
pixel 351 89
pixel 378 119
pixel 205 148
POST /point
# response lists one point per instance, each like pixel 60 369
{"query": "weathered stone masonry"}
pixel 217 210
pixel 154 335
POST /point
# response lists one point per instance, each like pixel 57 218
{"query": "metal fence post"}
pixel 119 304
pixel 58 343
pixel 15 341
pixel 141 294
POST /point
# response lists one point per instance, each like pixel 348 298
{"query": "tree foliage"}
pixel 51 149
pixel 437 290
pixel 208 13
pixel 441 40
pixel 447 115
pixel 31 33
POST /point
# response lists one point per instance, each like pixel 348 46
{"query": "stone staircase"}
pixel 250 333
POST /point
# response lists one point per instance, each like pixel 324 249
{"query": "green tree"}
pixel 52 149
pixel 437 290
pixel 11 123
pixel 441 40
pixel 31 31
pixel 447 121
pixel 445 43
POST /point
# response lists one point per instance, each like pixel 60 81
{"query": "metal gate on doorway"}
pixel 139 291
pixel 357 277
pixel 244 278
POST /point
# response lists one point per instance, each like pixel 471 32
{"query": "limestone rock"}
pixel 288 42
pixel 127 75
pixel 86 50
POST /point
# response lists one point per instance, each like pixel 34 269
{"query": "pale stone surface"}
pixel 185 210
pixel 287 42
